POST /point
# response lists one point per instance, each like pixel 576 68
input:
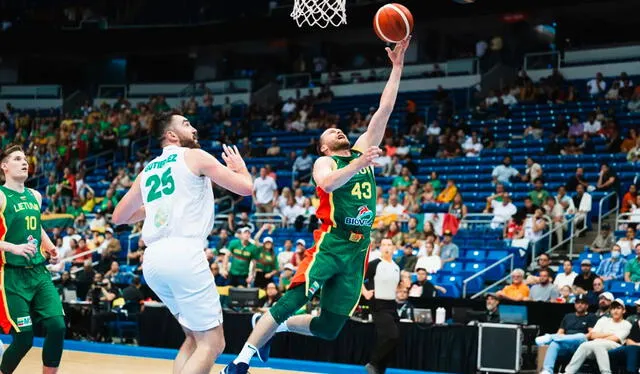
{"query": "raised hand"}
pixel 369 156
pixel 232 158
pixel 26 250
pixel 397 54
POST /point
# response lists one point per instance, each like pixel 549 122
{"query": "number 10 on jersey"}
pixel 160 185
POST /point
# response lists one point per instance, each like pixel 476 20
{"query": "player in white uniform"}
pixel 174 197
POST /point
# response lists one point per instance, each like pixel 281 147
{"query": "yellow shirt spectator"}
pixel 447 195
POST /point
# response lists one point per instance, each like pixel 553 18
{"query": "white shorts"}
pixel 177 270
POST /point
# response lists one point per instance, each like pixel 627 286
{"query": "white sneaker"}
pixel 543 340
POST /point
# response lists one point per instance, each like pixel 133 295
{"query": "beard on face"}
pixel 190 141
pixel 340 145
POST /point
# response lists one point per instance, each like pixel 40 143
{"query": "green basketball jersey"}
pixel 351 207
pixel 20 224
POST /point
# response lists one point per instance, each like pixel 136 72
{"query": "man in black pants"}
pixel 381 280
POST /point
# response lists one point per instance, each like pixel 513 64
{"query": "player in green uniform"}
pixel 28 294
pixel 243 252
pixel 335 264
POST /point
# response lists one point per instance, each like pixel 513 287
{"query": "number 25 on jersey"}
pixel 160 185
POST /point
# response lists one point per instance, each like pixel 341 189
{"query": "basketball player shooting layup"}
pixel 174 197
pixel 335 264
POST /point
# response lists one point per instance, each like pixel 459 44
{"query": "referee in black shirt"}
pixel 381 281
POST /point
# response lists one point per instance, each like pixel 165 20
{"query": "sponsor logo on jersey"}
pixel 313 288
pixel 32 240
pixel 23 321
pixel 363 218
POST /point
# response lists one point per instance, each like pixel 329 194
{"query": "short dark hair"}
pixel 159 124
pixel 544 271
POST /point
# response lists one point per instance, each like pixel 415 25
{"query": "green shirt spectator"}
pixel 266 261
pixel 632 269
pixel 242 254
pixel 538 196
pixel 404 180
pixel 75 209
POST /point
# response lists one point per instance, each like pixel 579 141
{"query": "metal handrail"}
pixel 476 275
pixel 601 216
pixel 231 209
pixel 262 218
pixel 38 177
pixel 476 219
pixel 549 53
pixel 620 220
pixel 131 236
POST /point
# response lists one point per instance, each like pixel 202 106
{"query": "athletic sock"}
pixel 283 327
pixel 245 355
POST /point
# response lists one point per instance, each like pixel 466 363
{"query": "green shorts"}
pixel 335 266
pixel 28 296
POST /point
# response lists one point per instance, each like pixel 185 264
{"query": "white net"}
pixel 320 13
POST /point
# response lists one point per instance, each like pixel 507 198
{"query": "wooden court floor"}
pixel 75 362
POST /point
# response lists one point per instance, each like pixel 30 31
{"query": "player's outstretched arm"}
pixel 131 208
pixel 328 178
pixel 234 177
pixel 378 124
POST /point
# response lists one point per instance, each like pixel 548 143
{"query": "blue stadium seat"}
pixel 622 288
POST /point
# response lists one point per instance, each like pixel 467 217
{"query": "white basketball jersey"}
pixel 177 202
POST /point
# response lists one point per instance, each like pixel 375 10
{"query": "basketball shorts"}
pixel 335 268
pixel 177 270
pixel 28 296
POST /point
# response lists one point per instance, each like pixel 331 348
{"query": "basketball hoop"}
pixel 320 13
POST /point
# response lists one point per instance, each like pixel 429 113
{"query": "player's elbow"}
pixel 246 188
pixel 117 218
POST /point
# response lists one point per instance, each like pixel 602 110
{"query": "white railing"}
pixel 601 216
pixel 626 218
pixel 129 245
pixel 272 218
pixel 231 207
pixel 465 282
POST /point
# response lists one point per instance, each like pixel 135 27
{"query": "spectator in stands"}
pixel 634 153
pixel 572 332
pixel 291 211
pixel 514 229
pixel 274 148
pixel 428 194
pixel 302 166
pixel 517 290
pixel 576 129
pixel 607 334
pixel 534 132
pixel 266 267
pixel 408 260
pixel 449 192
pixel 567 277
pixel 631 140
pixel 404 180
pixel 122 181
pixel 597 86
pixel 101 296
pixel 271 297
pixel 544 263
pixel 584 280
pixel 404 307
pixel 451 147
pixel 612 268
pixel 472 146
pixel 503 173
pixel 424 289
pixel 431 262
pixel 289 107
pixel 535 225
pixel 299 254
pixel 556 213
pixel 215 271
pixel 285 278
pixel 538 195
pixel 457 207
pixel 532 172
pixel 265 192
pixel 571 148
pixel 449 251
pixel 543 290
pixel 565 201
pixel 604 302
pixel 607 179
pixel 594 295
pixel 632 270
pixel 583 201
pixel 244 253
pixel 628 242
pixel 502 211
pixel 394 207
pixel 604 241
pixel 284 257
pixel 628 199
pixel 113 272
pixel 592 126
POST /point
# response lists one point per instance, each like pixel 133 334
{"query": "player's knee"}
pixel 22 343
pixel 288 304
pixel 328 325
pixel 55 327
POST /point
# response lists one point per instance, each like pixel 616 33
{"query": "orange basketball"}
pixel 393 23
